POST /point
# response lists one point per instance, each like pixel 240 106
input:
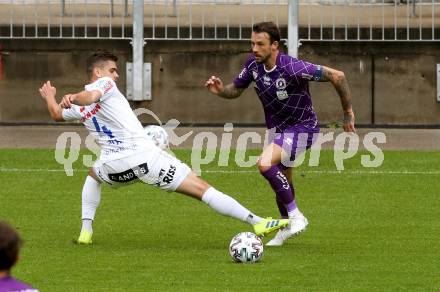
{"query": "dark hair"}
pixel 10 243
pixel 96 58
pixel 270 28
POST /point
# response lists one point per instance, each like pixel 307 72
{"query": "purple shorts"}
pixel 294 141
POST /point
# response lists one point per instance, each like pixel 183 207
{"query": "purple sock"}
pixel 280 185
pixel 282 209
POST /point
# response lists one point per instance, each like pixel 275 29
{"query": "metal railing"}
pixel 95 19
pixel 411 20
pixel 325 20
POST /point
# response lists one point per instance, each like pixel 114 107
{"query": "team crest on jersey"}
pixel 107 87
pixel 255 74
pixel 280 83
pixel 266 80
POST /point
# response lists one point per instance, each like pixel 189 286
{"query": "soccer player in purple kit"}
pixel 10 243
pixel 281 83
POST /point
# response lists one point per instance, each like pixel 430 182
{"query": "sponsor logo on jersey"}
pixel 306 76
pixel 91 113
pixel 282 95
pixel 129 175
pixel 266 80
pixel 114 142
pixel 168 178
pixel 160 176
pixel 242 73
pixel 280 83
pixel 165 178
pixel 119 149
pixel 255 74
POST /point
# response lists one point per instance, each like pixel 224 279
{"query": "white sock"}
pixel 228 206
pixel 91 196
pixel 295 213
pixel 87 225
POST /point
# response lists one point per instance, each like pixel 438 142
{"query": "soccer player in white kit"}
pixel 127 156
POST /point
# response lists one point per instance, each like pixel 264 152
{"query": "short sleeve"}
pixel 72 114
pixel 245 77
pixel 104 85
pixel 305 70
pixel 317 76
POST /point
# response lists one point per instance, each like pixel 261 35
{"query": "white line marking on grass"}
pixel 360 172
pixel 37 170
pixel 351 172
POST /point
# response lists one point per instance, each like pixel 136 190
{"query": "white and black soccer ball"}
pixel 246 247
pixel 158 135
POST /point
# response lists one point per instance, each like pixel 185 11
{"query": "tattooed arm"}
pixel 215 85
pixel 230 91
pixel 337 78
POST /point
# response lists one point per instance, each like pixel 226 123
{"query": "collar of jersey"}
pixel 268 71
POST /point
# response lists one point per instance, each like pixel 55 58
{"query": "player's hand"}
pixel 349 121
pixel 67 101
pixel 215 85
pixel 47 90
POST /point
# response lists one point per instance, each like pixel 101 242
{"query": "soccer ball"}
pixel 246 247
pixel 158 135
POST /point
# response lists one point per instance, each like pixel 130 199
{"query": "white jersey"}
pixel 111 121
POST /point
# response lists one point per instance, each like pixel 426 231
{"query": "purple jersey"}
pixel 9 284
pixel 283 91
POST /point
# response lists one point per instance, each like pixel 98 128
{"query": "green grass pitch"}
pixel 370 229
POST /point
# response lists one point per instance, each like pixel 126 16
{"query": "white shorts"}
pixel 152 166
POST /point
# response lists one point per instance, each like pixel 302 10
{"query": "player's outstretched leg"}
pixel 91 197
pixel 268 165
pixel 197 188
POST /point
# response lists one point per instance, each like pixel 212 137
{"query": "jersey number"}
pixel 102 129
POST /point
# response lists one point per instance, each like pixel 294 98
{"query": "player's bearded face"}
pixel 261 46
